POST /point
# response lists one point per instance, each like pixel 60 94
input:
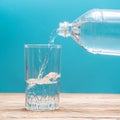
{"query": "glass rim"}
pixel 41 45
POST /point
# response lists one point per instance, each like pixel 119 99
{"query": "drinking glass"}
pixel 42 66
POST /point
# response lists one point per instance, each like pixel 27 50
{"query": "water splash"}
pixel 50 78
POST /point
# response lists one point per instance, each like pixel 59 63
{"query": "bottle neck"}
pixel 64 29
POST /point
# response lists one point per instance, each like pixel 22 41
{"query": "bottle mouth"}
pixel 63 29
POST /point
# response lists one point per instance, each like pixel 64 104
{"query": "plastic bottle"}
pixel 97 31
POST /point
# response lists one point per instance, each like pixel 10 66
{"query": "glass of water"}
pixel 42 66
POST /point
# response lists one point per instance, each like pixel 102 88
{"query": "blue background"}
pixel 32 21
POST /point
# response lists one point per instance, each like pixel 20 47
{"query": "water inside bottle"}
pixel 42 93
pixel 100 38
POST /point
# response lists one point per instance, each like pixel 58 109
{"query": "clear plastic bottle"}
pixel 97 31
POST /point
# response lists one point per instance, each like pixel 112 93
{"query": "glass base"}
pixel 42 103
pixel 42 106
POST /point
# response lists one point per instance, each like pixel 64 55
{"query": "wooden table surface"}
pixel 72 107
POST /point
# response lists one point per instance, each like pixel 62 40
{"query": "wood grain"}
pixel 72 107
